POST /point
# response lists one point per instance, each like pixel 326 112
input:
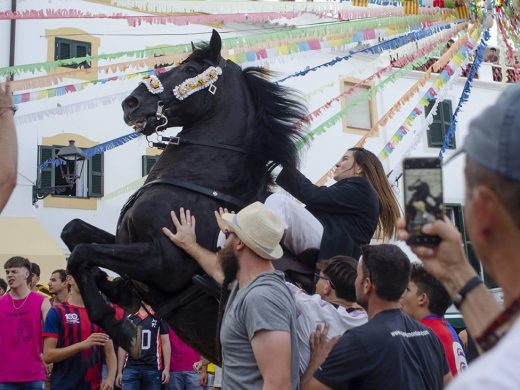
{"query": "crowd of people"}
pixel 376 320
pixel 50 342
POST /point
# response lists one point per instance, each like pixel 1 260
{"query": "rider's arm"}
pixel 347 195
pixel 186 239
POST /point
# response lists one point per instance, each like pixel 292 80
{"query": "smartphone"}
pixel 423 197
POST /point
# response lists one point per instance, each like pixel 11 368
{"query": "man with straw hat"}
pixel 258 332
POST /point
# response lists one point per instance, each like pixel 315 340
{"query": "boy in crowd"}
pixel 74 344
pixel 152 368
pixel 426 300
pixel 21 316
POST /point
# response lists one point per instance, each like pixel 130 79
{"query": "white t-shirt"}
pixel 498 368
pixel 311 310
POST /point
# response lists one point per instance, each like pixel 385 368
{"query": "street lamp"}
pixel 71 168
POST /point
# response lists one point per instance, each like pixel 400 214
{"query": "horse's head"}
pixel 180 96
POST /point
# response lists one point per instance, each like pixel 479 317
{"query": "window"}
pixel 68 48
pixel 440 125
pixel 147 164
pixel 456 215
pixel 361 117
pixel 89 185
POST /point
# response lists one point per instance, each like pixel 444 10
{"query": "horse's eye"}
pixel 191 69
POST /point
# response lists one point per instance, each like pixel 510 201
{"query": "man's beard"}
pixel 228 263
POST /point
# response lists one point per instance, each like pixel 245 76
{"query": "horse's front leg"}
pixel 78 231
pixel 139 261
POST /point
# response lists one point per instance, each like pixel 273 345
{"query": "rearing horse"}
pixel 234 122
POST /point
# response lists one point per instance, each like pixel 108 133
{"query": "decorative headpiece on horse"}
pixel 152 83
pixel 203 80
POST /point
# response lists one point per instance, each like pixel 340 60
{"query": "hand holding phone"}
pixel 423 197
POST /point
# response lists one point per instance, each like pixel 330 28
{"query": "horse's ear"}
pixel 192 46
pixel 215 45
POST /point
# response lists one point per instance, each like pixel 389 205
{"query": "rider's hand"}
pixel 185 226
pixel 446 261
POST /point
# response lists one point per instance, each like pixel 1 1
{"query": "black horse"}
pixel 234 124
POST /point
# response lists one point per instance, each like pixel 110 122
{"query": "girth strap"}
pixel 188 186
pixel 201 190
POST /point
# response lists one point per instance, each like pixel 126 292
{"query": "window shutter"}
pixel 95 178
pixel 435 135
pixel 62 50
pixel 147 164
pixel 46 175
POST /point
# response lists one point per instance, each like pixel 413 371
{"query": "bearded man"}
pixel 258 332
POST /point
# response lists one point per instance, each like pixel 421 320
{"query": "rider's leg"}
pixel 302 230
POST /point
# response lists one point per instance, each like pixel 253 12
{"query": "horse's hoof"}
pixel 135 344
pixel 129 337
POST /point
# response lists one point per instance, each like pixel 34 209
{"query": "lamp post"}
pixel 71 168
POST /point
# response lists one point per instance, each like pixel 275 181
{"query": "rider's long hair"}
pixel 373 171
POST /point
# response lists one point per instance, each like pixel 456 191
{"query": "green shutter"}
pixel 95 176
pixel 46 175
pixel 147 163
pixel 435 135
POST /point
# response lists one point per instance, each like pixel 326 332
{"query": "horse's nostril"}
pixel 130 102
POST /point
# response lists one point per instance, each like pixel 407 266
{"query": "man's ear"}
pixel 423 299
pixel 483 206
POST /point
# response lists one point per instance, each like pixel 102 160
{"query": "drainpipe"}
pixel 12 38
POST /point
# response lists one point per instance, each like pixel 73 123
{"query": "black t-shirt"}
pixel 391 351
pixel 151 348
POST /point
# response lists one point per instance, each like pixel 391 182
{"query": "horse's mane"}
pixel 280 124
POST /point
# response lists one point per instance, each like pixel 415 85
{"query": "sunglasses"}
pixel 317 276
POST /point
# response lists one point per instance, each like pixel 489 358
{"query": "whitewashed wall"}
pixel 123 164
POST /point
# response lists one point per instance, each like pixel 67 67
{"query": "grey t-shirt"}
pixel 264 304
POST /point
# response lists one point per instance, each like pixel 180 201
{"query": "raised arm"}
pixel 8 146
pixel 186 239
pixel 347 195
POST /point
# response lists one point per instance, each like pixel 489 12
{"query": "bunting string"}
pixel 370 92
pixel 399 63
pixel 378 48
pixel 418 135
pixel 357 29
pixel 94 150
pixel 429 96
pixel 510 53
pixel 465 92
pixel 204 19
pixel 313 43
pixel 440 63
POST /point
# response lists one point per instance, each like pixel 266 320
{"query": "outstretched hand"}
pixel 185 229
pixel 320 346
pixel 218 216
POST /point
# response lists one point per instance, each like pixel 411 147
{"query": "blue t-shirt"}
pixel 70 325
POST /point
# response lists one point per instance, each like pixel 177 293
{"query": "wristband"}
pixel 464 291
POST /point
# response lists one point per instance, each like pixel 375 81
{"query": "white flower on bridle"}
pixel 203 80
pixel 152 83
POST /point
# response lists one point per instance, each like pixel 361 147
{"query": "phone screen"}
pixel 423 197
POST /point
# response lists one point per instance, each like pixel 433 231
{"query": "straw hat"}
pixel 259 228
